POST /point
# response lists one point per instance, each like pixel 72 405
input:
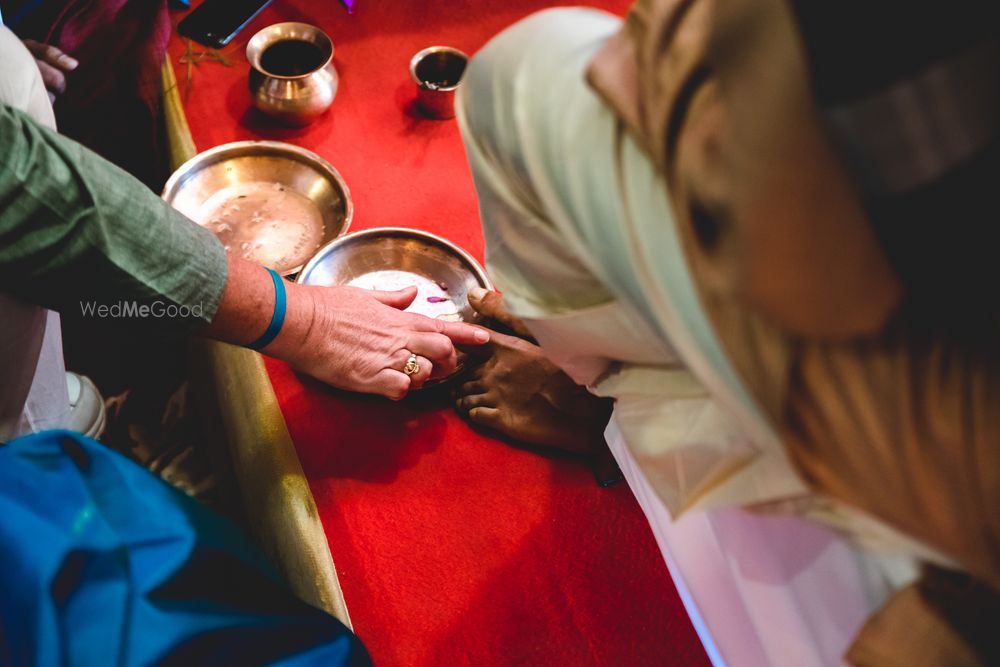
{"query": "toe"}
pixel 490 304
pixel 471 387
pixel 470 402
pixel 486 416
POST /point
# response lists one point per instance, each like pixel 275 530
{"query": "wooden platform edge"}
pixel 277 501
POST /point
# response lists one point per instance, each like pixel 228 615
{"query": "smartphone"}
pixel 215 22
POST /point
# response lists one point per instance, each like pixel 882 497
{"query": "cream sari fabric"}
pixel 582 242
pixel 580 238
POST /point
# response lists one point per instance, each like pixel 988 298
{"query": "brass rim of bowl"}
pixel 477 270
pixel 236 148
pixel 420 55
pixel 262 39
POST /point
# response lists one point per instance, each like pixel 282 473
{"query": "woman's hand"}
pixel 360 340
pixel 351 338
pixel 53 64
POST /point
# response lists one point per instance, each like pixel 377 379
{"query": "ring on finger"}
pixel 412 366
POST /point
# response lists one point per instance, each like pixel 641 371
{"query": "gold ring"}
pixel 411 367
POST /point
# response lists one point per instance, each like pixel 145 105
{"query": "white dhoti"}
pixel 33 392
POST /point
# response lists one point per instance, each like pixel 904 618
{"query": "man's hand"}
pixel 54 66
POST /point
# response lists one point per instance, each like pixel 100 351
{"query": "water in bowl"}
pixel 292 57
pixel 264 222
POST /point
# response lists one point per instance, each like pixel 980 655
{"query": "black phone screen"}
pixel 215 22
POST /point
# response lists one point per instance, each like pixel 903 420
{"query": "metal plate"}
pixel 267 201
pixel 391 258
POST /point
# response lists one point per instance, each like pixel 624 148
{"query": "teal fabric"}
pixel 105 564
pixel 277 318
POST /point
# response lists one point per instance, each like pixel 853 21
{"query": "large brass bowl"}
pixel 300 201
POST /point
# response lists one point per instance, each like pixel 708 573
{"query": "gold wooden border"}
pixel 278 503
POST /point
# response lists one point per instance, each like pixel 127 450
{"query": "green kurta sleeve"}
pixel 75 229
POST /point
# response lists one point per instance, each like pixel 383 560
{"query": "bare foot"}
pixel 520 393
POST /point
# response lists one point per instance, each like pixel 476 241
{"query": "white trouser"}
pixel 33 394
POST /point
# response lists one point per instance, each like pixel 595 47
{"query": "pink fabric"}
pixel 112 100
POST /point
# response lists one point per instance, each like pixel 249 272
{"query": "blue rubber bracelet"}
pixel 278 318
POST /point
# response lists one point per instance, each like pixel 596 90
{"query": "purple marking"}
pixel 443 286
pixel 436 299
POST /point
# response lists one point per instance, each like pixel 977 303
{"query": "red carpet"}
pixel 452 547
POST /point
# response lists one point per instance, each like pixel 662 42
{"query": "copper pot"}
pixel 437 71
pixel 292 77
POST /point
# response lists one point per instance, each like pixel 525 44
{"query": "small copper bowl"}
pixel 437 71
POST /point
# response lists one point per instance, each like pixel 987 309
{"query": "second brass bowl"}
pixel 392 258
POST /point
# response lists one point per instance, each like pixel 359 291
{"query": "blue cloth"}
pixel 14 11
pixel 105 564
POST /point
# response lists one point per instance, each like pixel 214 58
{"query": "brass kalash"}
pixel 292 77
